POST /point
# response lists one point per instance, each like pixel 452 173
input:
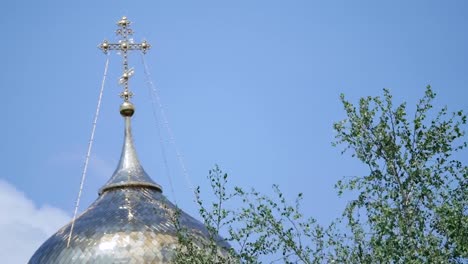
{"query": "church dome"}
pixel 130 222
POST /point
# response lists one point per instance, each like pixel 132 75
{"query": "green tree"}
pixel 263 226
pixel 410 208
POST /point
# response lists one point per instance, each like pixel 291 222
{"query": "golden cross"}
pixel 125 44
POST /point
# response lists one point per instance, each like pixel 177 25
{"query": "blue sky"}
pixel 250 85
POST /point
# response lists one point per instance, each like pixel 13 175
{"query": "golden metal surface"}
pixel 131 221
pixel 127 109
pixel 124 46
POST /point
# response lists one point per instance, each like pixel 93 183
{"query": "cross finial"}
pixel 124 45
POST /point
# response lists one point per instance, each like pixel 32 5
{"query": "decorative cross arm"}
pixel 124 45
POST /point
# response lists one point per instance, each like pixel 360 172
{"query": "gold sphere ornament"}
pixel 123 22
pixel 127 109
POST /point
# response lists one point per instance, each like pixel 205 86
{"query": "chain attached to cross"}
pixel 125 44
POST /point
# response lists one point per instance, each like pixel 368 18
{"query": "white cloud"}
pixel 23 226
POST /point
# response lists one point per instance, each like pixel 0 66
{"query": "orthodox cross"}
pixel 124 45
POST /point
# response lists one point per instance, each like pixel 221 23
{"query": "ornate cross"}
pixel 125 44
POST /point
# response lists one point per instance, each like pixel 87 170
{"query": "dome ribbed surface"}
pixel 128 225
pixel 130 222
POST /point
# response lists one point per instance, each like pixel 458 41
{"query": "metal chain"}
pixel 161 141
pixel 165 121
pixel 88 154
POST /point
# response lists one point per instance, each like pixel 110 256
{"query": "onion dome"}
pixel 130 222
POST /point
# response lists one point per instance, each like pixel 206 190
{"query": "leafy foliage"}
pixel 194 249
pixel 410 208
pixel 264 226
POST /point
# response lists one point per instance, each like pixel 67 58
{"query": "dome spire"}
pixel 129 172
pixel 131 221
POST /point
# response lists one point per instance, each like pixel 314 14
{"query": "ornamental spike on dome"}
pixel 129 172
pixel 131 221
